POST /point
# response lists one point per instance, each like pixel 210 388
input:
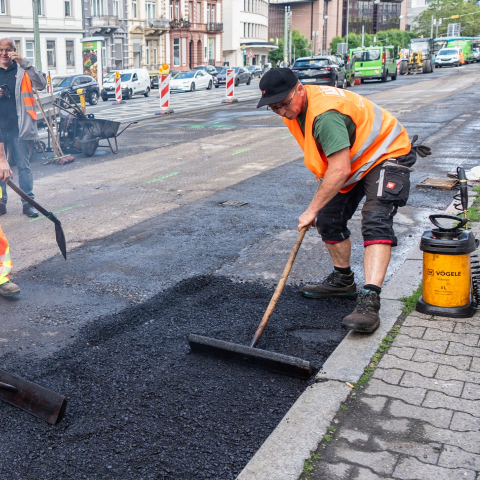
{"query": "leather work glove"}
pixel 421 150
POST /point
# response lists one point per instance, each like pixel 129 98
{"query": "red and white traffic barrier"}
pixel 118 89
pixel 230 87
pixel 164 87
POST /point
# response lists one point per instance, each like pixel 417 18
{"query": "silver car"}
pixel 448 57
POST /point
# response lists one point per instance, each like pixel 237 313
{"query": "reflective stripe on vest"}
pixel 5 266
pixel 378 135
pixel 27 96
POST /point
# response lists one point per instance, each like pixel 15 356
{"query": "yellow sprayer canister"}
pixel 447 269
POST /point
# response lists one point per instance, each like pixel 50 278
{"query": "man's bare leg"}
pixel 340 253
pixel 375 263
pixel 365 317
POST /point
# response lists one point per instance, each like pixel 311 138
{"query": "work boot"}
pixel 335 285
pixel 29 211
pixel 9 289
pixel 365 317
pixel 3 208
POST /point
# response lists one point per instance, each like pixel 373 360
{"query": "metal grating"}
pixel 233 203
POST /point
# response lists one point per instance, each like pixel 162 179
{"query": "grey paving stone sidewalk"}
pixel 418 416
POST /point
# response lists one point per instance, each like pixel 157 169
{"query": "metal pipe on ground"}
pixel 34 399
pixel 251 355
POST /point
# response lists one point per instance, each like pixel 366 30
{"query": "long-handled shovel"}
pixel 276 362
pixel 60 236
pixel 31 398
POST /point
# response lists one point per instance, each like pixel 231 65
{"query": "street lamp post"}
pixel 348 11
pixel 36 37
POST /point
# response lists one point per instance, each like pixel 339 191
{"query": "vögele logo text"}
pixel 442 273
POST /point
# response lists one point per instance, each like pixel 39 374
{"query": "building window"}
pixel 134 9
pixel 97 7
pixel 68 8
pixel 3 7
pixel 150 10
pixel 40 7
pixel 147 53
pixel 116 8
pixel 155 57
pixel 177 10
pixel 70 50
pixel 30 52
pixel 51 53
pixel 211 49
pixel 199 12
pixel 190 11
pixel 176 52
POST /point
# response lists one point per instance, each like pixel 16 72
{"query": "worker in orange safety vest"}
pixel 7 288
pixel 356 149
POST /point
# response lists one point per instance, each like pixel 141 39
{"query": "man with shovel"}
pixel 7 288
pixel 355 149
pixel 18 119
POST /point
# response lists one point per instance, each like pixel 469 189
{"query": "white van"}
pixel 135 81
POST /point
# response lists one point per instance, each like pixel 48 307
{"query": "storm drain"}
pixel 233 203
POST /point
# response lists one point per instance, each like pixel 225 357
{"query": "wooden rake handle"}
pixel 278 290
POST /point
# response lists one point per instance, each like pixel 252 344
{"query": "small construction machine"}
pixel 418 58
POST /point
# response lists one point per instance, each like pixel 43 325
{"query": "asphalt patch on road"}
pixel 143 406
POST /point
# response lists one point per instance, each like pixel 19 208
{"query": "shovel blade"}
pixel 60 237
pixel 34 399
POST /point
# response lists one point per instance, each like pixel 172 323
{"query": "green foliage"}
pixel 302 48
pixel 308 466
pixel 397 38
pixel 411 301
pixel 444 9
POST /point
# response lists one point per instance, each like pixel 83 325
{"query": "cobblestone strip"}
pixel 418 416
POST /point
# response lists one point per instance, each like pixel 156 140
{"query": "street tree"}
pixel 301 43
pixel 468 16
pixel 397 38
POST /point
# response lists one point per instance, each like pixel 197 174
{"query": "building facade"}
pixel 321 20
pixel 106 20
pixel 61 29
pixel 195 36
pixel 246 30
pixel 148 29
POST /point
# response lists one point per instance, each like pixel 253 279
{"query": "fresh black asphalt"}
pixel 141 405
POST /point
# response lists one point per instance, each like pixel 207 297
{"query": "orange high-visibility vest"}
pixel 378 133
pixel 27 96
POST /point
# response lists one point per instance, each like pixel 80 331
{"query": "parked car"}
pixel 242 75
pixel 210 69
pixel 256 71
pixel 378 62
pixel 191 81
pixel 71 83
pixel 135 81
pixel 449 57
pixel 476 54
pixel 324 70
pixel 153 80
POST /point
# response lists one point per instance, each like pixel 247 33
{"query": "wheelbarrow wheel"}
pixel 89 148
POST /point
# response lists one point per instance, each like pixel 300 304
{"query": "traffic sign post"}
pixel 164 88
pixel 118 89
pixel 230 88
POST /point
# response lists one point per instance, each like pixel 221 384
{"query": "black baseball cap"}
pixel 275 85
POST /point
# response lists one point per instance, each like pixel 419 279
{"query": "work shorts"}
pixel 385 188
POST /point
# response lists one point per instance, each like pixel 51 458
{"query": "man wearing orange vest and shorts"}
pixel 355 149
pixel 7 288
pixel 18 117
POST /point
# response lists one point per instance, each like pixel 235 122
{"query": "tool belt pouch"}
pixel 394 184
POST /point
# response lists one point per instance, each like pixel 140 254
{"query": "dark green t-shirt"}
pixel 332 130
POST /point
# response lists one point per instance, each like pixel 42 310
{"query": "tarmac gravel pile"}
pixel 142 406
